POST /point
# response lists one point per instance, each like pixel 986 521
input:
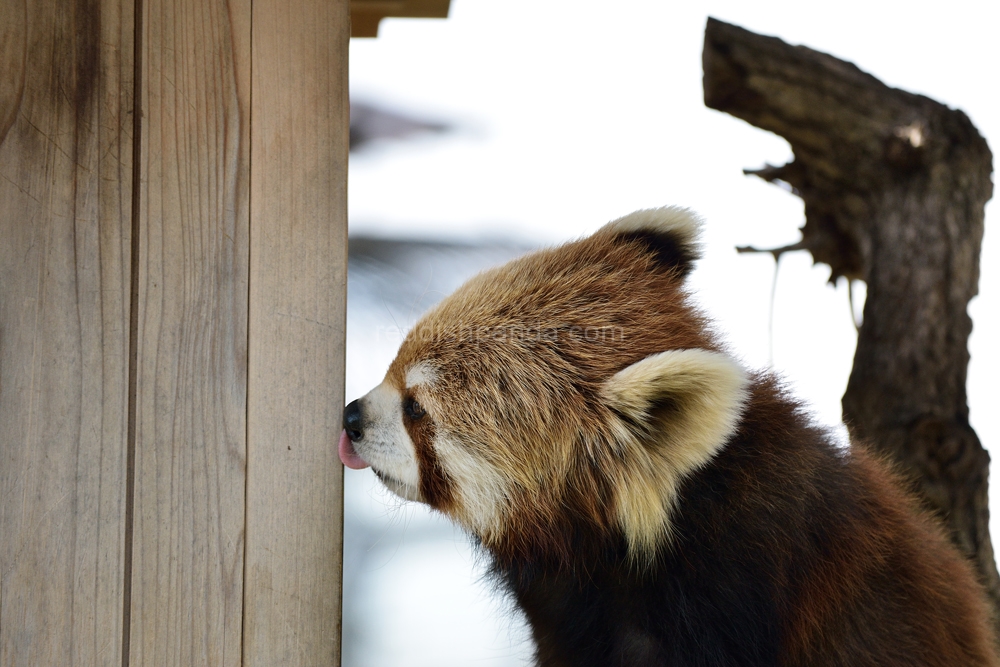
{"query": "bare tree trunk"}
pixel 894 186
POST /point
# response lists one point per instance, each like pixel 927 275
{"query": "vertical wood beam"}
pixel 190 375
pixel 298 267
pixel 68 217
pixel 66 82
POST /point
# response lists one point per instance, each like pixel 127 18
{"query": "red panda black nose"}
pixel 352 421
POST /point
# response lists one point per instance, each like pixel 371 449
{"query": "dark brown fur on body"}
pixel 643 498
pixel 787 551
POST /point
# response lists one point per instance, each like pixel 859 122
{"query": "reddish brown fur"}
pixel 782 549
pixel 900 541
pixel 786 552
pixel 490 335
pixel 435 484
pixel 880 569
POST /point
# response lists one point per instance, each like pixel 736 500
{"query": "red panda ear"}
pixel 677 409
pixel 692 398
pixel 670 234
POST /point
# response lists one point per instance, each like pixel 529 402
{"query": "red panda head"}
pixel 569 391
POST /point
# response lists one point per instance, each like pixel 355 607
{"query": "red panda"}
pixel 643 498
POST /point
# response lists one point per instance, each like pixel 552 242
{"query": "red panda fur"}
pixel 643 499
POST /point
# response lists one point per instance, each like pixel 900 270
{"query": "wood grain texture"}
pixel 190 433
pixel 65 223
pixel 297 308
pixel 74 589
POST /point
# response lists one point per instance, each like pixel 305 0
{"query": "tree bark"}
pixel 894 186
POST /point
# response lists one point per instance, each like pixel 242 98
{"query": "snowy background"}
pixel 564 115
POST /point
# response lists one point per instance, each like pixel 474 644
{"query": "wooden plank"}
pixel 298 268
pixel 190 384
pixel 66 90
pixel 366 14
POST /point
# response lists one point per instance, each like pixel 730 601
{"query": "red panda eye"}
pixel 413 409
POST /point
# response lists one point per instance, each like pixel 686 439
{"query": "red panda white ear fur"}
pixel 677 221
pixel 686 405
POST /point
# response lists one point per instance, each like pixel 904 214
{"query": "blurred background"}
pixel 515 124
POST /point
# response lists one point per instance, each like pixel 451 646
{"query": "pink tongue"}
pixel 348 456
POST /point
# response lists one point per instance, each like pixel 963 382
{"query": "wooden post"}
pixel 172 284
pixel 66 80
pixel 298 277
pixel 191 337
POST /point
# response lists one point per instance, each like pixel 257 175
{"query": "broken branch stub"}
pixel 894 186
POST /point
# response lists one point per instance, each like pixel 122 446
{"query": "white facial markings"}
pixel 421 373
pixel 386 445
pixel 481 490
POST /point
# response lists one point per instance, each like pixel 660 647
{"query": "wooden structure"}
pixel 172 291
pixel 366 14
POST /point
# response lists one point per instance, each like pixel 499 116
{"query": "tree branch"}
pixel 895 186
